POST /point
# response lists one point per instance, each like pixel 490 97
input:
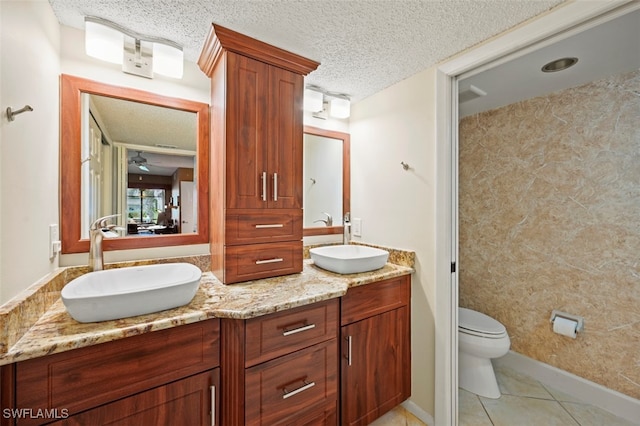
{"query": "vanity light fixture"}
pixel 315 101
pixel 559 64
pixel 340 107
pixel 137 53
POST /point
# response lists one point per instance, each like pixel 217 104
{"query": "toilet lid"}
pixel 480 323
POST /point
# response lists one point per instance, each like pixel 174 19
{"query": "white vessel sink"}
pixel 126 292
pixel 349 259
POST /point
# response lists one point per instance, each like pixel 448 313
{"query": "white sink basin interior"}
pixel 125 292
pixel 349 259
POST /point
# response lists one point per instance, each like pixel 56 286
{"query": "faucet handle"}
pixel 329 221
pixel 102 222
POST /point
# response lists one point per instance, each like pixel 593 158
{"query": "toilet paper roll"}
pixel 565 326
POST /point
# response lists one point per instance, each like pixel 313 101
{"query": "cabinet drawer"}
pixel 84 378
pixel 372 299
pixel 278 390
pixel 278 334
pixel 251 226
pixel 250 262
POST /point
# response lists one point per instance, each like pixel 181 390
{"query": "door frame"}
pixel 561 22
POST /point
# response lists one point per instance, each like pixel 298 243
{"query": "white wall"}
pixel 397 206
pixel 35 51
pixel 193 86
pixel 29 45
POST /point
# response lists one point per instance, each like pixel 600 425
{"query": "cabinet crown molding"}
pixel 221 39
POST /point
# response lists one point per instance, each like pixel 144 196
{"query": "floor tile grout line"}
pixel 559 402
pixel 485 410
pixel 569 413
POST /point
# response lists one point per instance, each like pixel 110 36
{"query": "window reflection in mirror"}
pixel 137 161
pixel 326 180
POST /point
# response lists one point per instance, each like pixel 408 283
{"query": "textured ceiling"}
pixel 610 48
pixel 363 46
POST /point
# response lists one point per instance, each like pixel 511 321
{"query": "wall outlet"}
pixel 54 240
pixel 356 227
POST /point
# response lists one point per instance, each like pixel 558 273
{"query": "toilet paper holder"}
pixel 580 320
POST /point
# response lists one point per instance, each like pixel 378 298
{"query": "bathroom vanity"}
pixel 309 348
pixel 153 378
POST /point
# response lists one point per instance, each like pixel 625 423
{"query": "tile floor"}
pixel 524 402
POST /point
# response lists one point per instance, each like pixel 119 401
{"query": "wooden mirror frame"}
pixel 71 89
pixel 346 178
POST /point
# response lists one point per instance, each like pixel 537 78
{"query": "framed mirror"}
pixel 142 156
pixel 327 180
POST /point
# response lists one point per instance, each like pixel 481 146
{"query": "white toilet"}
pixel 480 338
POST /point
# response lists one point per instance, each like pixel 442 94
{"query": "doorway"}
pixel 563 22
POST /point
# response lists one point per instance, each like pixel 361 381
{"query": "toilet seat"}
pixel 478 324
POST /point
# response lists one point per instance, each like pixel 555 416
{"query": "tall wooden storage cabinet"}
pixel 256 156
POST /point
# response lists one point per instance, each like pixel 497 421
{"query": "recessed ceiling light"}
pixel 559 64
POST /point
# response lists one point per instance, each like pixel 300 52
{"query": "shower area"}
pixel 549 202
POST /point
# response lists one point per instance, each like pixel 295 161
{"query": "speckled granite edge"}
pixel 48 327
pixel 20 313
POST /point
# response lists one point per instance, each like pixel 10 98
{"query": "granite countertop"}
pixel 55 330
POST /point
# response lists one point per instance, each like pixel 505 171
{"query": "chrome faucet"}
pixel 96 235
pixel 346 235
pixel 327 222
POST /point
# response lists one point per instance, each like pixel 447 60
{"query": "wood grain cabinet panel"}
pixel 191 401
pixel 264 136
pixel 254 227
pixel 279 391
pixel 368 300
pixel 246 141
pixel 282 368
pixel 249 262
pixel 287 331
pixel 85 378
pixel 376 350
pixel 257 132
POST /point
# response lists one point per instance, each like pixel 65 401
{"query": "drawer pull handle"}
pixel 298 330
pixel 274 225
pixel 276 260
pixel 264 186
pixel 303 388
pixel 349 353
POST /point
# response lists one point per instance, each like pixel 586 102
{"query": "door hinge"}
pixel 453 267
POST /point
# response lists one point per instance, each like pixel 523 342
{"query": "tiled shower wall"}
pixel 549 210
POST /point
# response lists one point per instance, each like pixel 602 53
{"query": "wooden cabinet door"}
pixel 375 366
pixel 247 176
pixel 190 401
pixel 264 135
pixel 285 139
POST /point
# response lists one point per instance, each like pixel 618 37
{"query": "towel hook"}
pixel 404 165
pixel 11 114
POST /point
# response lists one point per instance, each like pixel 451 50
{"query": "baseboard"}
pixel 414 409
pixel 592 393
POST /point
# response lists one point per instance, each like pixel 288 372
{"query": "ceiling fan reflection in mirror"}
pixel 139 161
